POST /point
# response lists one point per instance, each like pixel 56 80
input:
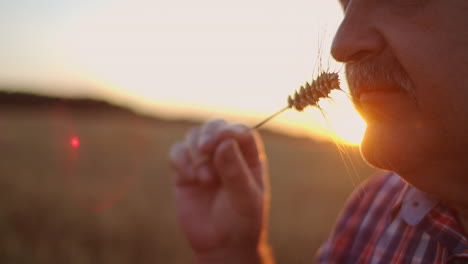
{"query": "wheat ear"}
pixel 309 94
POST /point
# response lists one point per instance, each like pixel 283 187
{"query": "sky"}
pixel 204 59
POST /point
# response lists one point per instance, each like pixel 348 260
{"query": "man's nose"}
pixel 357 38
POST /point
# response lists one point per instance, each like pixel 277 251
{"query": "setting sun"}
pixel 342 120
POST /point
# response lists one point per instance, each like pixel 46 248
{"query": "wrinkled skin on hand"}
pixel 221 191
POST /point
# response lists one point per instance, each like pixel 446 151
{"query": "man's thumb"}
pixel 231 167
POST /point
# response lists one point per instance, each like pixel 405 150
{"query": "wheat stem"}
pixel 270 117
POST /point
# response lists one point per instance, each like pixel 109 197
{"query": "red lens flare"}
pixel 75 142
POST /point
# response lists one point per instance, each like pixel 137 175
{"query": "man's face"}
pixel 407 68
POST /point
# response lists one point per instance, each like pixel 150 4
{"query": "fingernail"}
pixel 198 163
pixel 204 174
pixel 204 143
pixel 190 172
pixel 228 153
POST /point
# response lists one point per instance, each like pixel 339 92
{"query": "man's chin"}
pixel 390 148
pixel 395 132
pixel 373 150
pixel 418 155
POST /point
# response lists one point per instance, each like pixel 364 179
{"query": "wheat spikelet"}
pixel 310 94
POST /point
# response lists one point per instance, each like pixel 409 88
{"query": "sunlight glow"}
pixel 342 120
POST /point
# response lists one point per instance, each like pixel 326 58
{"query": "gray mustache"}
pixel 368 76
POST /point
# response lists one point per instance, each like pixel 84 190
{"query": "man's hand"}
pixel 221 192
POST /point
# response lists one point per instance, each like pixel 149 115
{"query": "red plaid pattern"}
pixel 388 221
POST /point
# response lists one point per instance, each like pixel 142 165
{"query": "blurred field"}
pixel 109 201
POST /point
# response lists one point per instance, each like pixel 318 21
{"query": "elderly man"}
pixel 407 68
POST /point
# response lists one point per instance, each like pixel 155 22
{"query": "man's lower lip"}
pixel 383 105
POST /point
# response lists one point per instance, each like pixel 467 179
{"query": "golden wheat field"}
pixel 110 199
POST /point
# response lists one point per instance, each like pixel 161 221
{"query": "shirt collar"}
pixel 413 205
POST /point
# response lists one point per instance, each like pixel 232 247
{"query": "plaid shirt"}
pixel 389 221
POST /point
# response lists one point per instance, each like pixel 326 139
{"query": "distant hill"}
pixel 8 99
